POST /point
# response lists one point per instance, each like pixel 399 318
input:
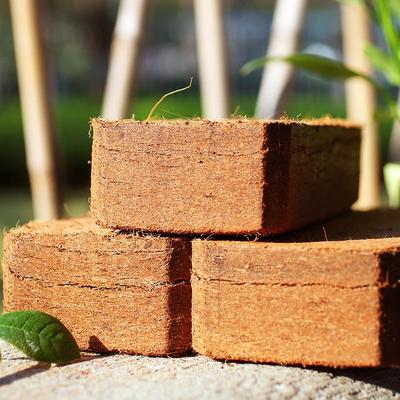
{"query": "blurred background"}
pixel 78 37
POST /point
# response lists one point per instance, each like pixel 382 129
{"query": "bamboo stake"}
pixel 125 50
pixel 211 52
pixel 361 102
pixel 37 115
pixel 285 33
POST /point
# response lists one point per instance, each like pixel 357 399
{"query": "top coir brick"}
pixel 234 176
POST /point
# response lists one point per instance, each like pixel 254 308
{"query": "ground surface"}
pixel 192 377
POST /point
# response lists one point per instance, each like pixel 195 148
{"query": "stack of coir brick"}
pixel 216 200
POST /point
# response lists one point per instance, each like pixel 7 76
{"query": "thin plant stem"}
pixel 165 96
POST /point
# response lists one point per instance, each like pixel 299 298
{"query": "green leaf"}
pixel 384 63
pixel 384 12
pixel 395 8
pixel 39 335
pixel 322 66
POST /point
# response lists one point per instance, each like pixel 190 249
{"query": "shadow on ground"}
pixel 42 367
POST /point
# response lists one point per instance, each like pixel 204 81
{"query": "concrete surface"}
pixel 191 377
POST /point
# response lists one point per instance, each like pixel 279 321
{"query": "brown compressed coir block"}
pixel 115 292
pixel 227 177
pixel 330 302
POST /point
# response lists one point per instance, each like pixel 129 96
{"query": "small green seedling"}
pixel 39 335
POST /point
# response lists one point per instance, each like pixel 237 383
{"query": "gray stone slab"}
pixel 191 377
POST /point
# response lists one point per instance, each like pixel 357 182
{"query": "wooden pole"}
pixel 125 50
pixel 361 102
pixel 212 58
pixel 37 115
pixel 285 33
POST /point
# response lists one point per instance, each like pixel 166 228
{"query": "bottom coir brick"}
pixel 115 292
pixel 331 302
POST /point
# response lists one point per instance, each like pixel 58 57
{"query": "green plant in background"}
pixel 39 335
pixel 385 13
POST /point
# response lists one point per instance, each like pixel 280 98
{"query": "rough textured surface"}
pixel 228 177
pixel 121 377
pixel 119 292
pixel 375 224
pixel 332 303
